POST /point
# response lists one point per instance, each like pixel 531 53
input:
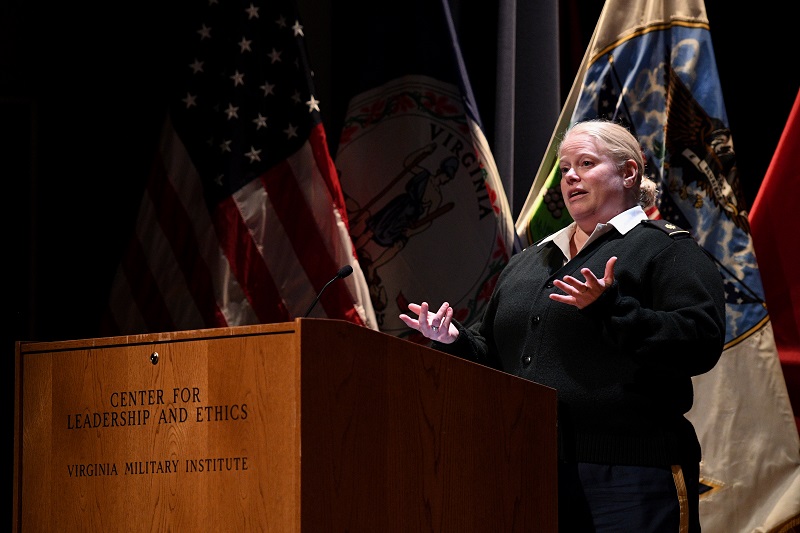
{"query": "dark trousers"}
pixel 596 498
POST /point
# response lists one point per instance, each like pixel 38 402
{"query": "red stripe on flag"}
pixel 247 264
pixel 179 231
pixel 319 147
pixel 774 239
pixel 312 249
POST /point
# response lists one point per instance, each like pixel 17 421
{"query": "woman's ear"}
pixel 631 168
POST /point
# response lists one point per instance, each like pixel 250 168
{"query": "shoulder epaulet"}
pixel 667 227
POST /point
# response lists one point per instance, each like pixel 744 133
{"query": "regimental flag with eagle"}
pixel 428 213
pixel 650 65
pixel 243 220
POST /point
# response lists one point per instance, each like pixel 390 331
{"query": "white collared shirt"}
pixel 623 222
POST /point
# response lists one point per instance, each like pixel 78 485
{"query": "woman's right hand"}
pixel 436 327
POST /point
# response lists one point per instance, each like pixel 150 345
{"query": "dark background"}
pixel 81 106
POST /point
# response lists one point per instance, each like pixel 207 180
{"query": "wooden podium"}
pixel 314 426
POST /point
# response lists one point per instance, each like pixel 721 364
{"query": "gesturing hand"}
pixel 435 327
pixel 582 293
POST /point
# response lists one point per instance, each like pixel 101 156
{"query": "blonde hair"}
pixel 648 192
pixel 621 145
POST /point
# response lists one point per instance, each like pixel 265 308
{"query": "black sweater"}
pixel 622 366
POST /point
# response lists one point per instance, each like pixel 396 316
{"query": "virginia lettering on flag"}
pixel 650 65
pixel 428 213
pixel 243 220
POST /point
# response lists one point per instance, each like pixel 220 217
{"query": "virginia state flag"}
pixel 650 65
pixel 428 213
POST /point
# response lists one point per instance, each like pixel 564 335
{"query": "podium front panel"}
pixel 314 425
pixel 194 431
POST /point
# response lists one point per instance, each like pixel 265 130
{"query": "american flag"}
pixel 243 219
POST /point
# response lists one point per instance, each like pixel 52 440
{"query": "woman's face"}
pixel 594 189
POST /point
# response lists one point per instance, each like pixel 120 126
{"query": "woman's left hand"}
pixel 582 293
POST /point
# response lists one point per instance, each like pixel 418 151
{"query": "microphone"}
pixel 343 273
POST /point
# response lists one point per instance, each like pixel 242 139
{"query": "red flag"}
pixel 777 246
pixel 778 251
pixel 243 220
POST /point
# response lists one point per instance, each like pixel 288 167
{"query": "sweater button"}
pixel 549 286
pixel 526 360
pixel 536 319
